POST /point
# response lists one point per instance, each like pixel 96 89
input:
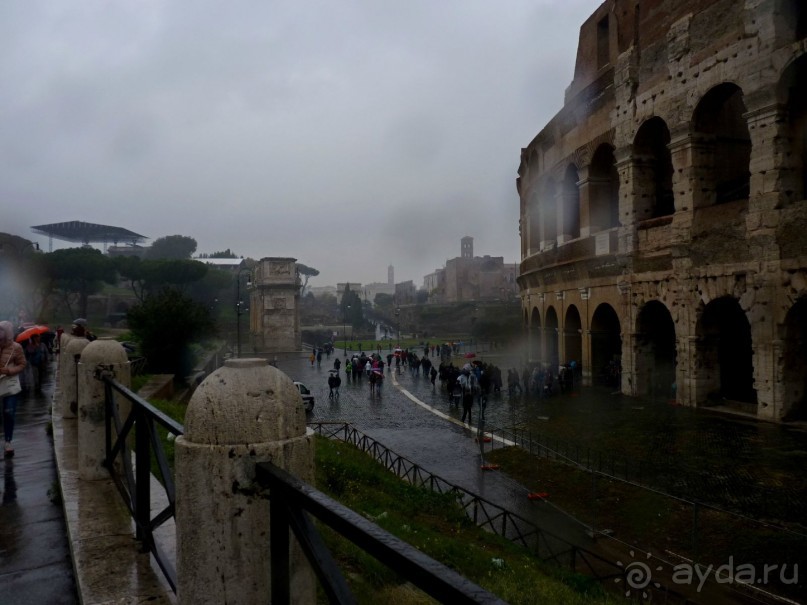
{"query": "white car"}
pixel 305 393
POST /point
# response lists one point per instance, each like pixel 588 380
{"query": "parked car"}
pixel 305 393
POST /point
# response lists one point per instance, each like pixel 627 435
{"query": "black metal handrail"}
pixel 134 481
pixel 290 500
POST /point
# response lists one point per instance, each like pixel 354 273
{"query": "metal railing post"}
pixel 142 479
pixel 279 549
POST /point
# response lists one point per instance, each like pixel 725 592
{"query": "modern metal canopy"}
pixel 78 231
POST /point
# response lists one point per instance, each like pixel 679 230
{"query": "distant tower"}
pixel 391 275
pixel 467 246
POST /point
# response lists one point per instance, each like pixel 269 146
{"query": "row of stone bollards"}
pixel 243 413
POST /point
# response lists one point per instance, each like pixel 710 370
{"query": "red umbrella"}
pixel 28 332
pixel 470 355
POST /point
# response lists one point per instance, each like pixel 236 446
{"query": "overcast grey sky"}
pixel 347 134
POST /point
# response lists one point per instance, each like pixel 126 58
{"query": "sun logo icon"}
pixel 638 576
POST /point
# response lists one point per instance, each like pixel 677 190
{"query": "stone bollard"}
pixel 58 392
pixel 69 378
pixel 110 355
pixel 243 413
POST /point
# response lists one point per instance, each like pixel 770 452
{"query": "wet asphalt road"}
pixel 693 453
pixel 710 457
pixel 416 421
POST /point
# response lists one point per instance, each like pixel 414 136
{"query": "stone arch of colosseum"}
pixel 654 349
pixel 793 361
pixel 724 365
pixel 652 175
pixel 720 194
pixel 569 206
pixel 606 345
pixel 601 191
pixel 791 92
pixel 548 228
pixel 572 335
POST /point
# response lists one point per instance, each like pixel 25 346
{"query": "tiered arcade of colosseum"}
pixel 664 211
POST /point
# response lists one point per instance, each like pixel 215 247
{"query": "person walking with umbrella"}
pixel 12 363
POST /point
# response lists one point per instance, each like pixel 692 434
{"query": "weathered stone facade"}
pixel 663 211
pixel 274 309
pixel 472 278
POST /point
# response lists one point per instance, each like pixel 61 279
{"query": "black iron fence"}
pixel 498 520
pixel 131 442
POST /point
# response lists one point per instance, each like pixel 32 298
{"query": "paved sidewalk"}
pixel 35 564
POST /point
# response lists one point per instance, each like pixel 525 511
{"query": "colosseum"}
pixel 663 214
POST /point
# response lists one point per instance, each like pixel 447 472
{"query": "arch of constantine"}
pixel 664 208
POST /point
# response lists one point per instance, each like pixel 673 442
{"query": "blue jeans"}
pixel 9 411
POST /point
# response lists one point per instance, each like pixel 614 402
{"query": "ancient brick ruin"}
pixel 663 209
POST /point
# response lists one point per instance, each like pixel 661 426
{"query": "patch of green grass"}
pixel 175 410
pixel 434 524
pixel 139 381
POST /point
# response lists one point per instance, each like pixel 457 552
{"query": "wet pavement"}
pixel 35 564
pixel 714 454
pixel 731 461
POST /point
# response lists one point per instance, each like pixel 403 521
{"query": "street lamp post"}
pixel 398 321
pixel 344 329
pixel 239 308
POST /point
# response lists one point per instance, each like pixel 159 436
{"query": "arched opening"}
pixel 792 91
pixel 723 131
pixel 570 208
pixel 606 347
pixel 573 336
pixel 654 170
pixel 551 338
pixel 793 19
pixel 534 353
pixel 795 362
pixel 724 361
pixel 534 224
pixel 549 214
pixel 655 351
pixel 603 186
